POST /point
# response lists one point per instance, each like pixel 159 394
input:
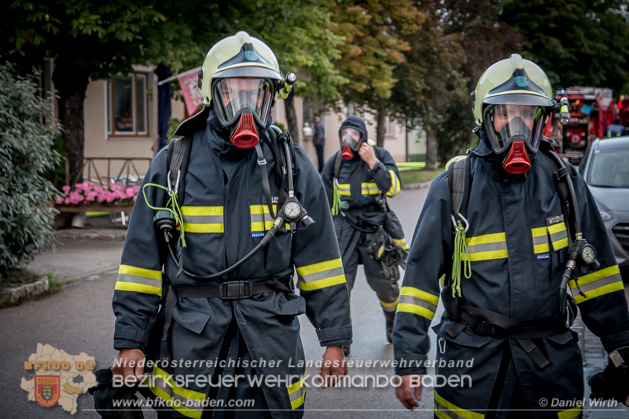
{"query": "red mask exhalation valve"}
pixel 245 135
pixel 347 153
pixel 517 162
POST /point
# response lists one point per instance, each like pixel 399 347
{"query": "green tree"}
pixel 485 39
pixel 27 131
pixel 373 47
pixel 576 42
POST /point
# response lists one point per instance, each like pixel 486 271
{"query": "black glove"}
pixel 390 267
pixel 104 394
pixel 613 382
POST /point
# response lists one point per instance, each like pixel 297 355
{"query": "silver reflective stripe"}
pixel 540 240
pixel 560 235
pixel 598 283
pixel 297 393
pixel 203 219
pixel 139 280
pixel 409 299
pixel 486 247
pixel 185 402
pixel 322 275
pixel 447 411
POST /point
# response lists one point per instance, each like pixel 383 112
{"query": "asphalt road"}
pixel 80 319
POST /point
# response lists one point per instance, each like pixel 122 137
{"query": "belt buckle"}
pixel 235 290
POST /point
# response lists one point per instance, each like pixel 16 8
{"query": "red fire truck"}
pixel 591 111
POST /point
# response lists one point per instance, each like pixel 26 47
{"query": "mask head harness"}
pixel 352 134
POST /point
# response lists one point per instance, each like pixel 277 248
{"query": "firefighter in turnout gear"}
pixel 356 180
pixel 505 248
pixel 211 294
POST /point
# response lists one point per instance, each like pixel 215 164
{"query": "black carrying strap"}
pixel 177 165
pixel 265 179
pixel 561 177
pixel 460 183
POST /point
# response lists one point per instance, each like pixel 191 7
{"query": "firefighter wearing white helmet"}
pixel 505 229
pixel 227 216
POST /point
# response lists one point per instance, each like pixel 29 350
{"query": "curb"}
pixel 95 234
pixel 421 185
pixel 12 295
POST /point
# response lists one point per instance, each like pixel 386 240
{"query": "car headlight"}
pixel 605 216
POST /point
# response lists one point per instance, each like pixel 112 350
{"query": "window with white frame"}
pixel 127 102
pixel 389 125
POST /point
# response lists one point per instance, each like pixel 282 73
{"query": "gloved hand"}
pixel 613 382
pixel 104 394
pixel 390 266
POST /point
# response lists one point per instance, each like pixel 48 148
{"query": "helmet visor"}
pixel 507 123
pixel 233 95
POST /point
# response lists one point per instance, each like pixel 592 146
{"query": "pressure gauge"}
pixel 292 210
pixel 588 254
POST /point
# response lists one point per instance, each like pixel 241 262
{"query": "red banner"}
pixel 189 86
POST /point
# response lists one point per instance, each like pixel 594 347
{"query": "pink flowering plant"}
pixel 91 193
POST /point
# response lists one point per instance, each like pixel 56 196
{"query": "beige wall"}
pixel 98 144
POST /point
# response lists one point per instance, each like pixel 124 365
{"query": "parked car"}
pixel 605 168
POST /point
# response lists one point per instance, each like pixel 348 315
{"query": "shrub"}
pixel 27 131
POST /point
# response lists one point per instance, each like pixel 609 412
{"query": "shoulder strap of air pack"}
pixel 561 177
pixel 460 183
pixel 177 165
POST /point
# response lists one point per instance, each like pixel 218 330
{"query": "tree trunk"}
pixel 381 127
pixel 71 83
pixel 291 117
pixel 431 148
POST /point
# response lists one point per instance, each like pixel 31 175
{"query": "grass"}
pixel 19 276
pixel 418 176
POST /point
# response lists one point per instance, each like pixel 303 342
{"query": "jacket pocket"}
pixel 289 305
pixel 192 318
pixel 564 337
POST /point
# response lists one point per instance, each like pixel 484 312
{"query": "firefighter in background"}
pixel 504 325
pixel 247 316
pixel 361 174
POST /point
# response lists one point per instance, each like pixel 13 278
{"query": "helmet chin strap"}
pixel 245 135
pixel 517 161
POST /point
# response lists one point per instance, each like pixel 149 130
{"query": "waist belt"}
pixel 231 290
pixel 498 326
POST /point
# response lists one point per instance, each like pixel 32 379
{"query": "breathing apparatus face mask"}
pixel 242 105
pixel 351 140
pixel 514 130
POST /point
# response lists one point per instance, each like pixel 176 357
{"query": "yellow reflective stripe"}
pixel 540 240
pixel 486 238
pixel 163 386
pixel 570 413
pixel 395 184
pixel 597 283
pixel 344 189
pixel 486 247
pixel 415 307
pixel 445 409
pixel 369 188
pixel 389 307
pixel 322 283
pixel 416 292
pixel 146 273
pixel 401 243
pixel 145 289
pixel 203 228
pixel 297 393
pixel 558 235
pixel 203 219
pixel 201 211
pixel 262 209
pixel 132 278
pixel 321 275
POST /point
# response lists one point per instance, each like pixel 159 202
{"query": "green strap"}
pixel 460 249
pixel 175 210
pixel 336 199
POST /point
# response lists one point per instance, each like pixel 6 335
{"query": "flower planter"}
pixel 94 207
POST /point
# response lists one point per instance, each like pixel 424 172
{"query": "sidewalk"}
pixel 84 253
